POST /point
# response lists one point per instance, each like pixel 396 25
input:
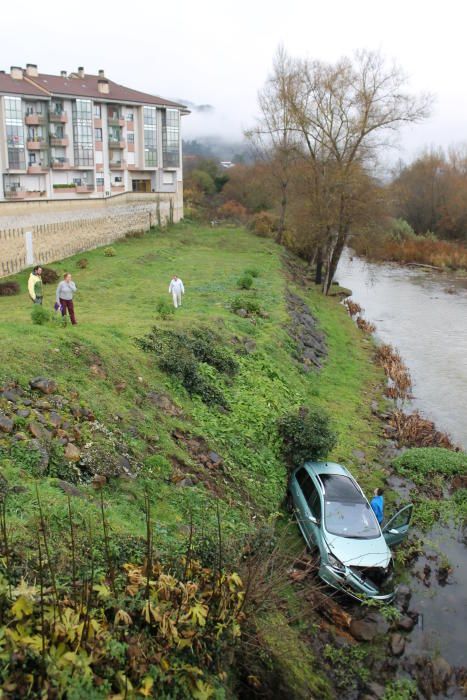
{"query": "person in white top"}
pixel 176 289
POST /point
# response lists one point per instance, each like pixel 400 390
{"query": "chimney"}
pixel 63 73
pixel 31 70
pixel 16 73
pixel 103 85
pixel 101 73
pixel 81 72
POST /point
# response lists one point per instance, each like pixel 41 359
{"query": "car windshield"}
pixel 353 519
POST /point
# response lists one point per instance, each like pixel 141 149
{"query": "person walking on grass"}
pixel 377 504
pixel 64 297
pixel 35 285
pixel 176 289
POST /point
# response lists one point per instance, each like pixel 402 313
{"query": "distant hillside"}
pixel 218 149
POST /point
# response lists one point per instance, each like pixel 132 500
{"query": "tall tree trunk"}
pixel 334 259
pixel 281 226
pixel 319 266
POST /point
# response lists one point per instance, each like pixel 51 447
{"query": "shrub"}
pixel 306 435
pixel 245 282
pixel 263 223
pixel 82 263
pixel 419 463
pixel 232 210
pixel 110 252
pixel 49 276
pixel 39 315
pixel 249 304
pixel 164 308
pixel 252 271
pixel 9 289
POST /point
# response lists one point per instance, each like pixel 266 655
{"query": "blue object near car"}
pixel 335 518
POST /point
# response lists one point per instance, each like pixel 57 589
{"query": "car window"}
pixel 354 519
pixel 338 487
pixel 310 492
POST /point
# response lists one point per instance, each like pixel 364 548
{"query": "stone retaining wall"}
pixel 66 231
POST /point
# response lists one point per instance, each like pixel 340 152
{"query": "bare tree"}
pixel 345 114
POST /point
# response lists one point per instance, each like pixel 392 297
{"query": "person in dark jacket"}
pixel 64 296
pixel 377 504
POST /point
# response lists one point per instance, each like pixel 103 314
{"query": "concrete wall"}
pixel 60 229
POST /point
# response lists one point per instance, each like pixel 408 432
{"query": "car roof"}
pixel 327 468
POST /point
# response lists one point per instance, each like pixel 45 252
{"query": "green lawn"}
pixel 116 303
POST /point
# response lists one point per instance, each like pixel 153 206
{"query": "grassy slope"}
pixel 115 304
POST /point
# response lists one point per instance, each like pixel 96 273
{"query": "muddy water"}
pixel 424 315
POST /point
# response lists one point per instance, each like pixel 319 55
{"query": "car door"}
pixel 397 528
pixel 306 497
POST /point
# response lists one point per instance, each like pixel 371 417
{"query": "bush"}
pixel 263 223
pixel 49 276
pixel 252 271
pixel 9 289
pixel 245 282
pixel 164 308
pixel 82 263
pixel 306 435
pixel 232 210
pixel 39 315
pixel 419 463
pixel 110 252
pixel 249 304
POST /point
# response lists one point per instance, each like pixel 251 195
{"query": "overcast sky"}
pixel 220 53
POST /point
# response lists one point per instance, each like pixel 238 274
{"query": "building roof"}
pixel 19 87
pixel 56 85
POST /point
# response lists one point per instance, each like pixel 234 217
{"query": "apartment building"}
pixel 83 136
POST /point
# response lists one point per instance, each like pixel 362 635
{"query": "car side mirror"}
pixel 313 520
pixel 393 532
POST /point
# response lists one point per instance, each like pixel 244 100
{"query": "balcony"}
pixel 36 144
pixel 34 119
pixel 58 117
pixel 37 169
pixel 16 193
pixel 115 120
pixel 116 143
pixel 84 189
pixel 117 165
pixel 60 164
pixel 59 141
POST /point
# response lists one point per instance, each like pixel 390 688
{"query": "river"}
pixel 424 315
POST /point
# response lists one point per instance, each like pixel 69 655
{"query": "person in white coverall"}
pixel 176 289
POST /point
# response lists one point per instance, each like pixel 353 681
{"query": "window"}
pixel 98 134
pixel 129 117
pixel 97 111
pixel 310 492
pixel 15 133
pixel 82 132
pixel 118 179
pixel 150 136
pixel 130 137
pixel 171 138
pixel 32 159
pixel 100 181
pixel 168 178
pixel 56 107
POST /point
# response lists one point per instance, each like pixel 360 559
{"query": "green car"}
pixel 335 518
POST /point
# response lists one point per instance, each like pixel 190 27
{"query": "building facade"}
pixel 81 136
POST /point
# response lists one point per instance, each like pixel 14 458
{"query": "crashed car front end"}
pixel 376 583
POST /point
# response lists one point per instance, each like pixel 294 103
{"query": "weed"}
pixel 245 282
pixel 39 315
pixel 347 664
pixel 49 276
pixel 110 252
pixel 250 304
pixel 82 263
pixel 164 308
pixel 252 272
pixel 401 689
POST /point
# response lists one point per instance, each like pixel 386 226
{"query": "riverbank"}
pixel 416 250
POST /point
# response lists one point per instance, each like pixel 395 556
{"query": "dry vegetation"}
pixel 412 430
pixel 400 382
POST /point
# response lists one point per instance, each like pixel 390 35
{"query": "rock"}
pixel 250 346
pixel 402 599
pixel 397 644
pixel 17 488
pixel 359 454
pixel 44 460
pixel 20 436
pixel 215 458
pixel 441 674
pixel 367 628
pixel 124 464
pixel 406 623
pixel 185 483
pixel 375 690
pixel 264 314
pixel 6 424
pixel 459 481
pixel 98 371
pixel 23 412
pixel 43 405
pixel 164 403
pixel 374 407
pixel 70 489
pixel 72 453
pixel 243 313
pixel 27 402
pixel 55 419
pixel 36 430
pixel 120 386
pixel 11 396
pixel 98 481
pixel 46 386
